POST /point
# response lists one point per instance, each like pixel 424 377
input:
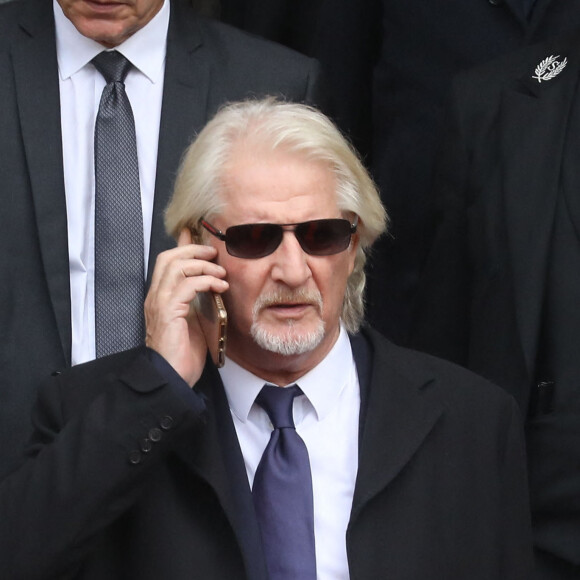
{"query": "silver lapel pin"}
pixel 549 68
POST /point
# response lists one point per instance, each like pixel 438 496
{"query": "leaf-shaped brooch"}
pixel 549 68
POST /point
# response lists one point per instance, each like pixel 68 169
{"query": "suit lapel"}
pixel 533 118
pixel 400 414
pixel 216 457
pixel 519 8
pixel 570 166
pixel 537 17
pixel 183 113
pixel 36 79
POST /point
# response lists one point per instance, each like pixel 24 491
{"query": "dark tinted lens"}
pixel 253 240
pixel 324 237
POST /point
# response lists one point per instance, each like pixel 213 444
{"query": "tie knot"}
pixel 277 402
pixel 112 65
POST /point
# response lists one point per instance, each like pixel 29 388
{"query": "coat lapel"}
pixel 570 167
pixel 533 117
pixel 216 457
pixel 537 17
pixel 183 113
pixel 36 78
pixel 530 17
pixel 519 8
pixel 400 414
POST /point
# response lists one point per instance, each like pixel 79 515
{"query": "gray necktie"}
pixel 119 262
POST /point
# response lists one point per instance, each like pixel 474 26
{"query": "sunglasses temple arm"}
pixel 214 231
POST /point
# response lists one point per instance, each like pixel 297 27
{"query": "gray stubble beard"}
pixel 287 343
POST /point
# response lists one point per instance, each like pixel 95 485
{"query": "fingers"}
pixel 179 275
pixel 188 262
pixel 185 237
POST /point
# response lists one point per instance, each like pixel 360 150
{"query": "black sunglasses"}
pixel 317 237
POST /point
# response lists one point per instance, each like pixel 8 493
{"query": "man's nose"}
pixel 291 265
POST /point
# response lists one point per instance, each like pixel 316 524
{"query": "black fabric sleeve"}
pixel 100 431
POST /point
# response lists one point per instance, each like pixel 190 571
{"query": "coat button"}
pixel 495 2
pixel 146 445
pixel 155 434
pixel 135 457
pixel 55 373
pixel 166 423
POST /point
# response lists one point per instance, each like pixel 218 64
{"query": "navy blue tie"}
pixel 282 492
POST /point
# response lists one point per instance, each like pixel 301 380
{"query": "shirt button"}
pixel 166 423
pixel 155 434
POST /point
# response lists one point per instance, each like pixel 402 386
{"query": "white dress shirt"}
pixel 81 86
pixel 327 419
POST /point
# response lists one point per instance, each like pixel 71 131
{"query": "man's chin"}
pixel 289 342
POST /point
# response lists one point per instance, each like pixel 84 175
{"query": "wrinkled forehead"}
pixel 258 181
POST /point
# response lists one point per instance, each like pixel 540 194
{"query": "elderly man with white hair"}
pixel 318 450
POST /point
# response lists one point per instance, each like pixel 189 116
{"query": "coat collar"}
pixel 533 118
pixel 399 410
pixel 216 457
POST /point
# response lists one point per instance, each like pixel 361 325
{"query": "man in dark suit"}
pixel 343 35
pixel 501 289
pixel 202 64
pixel 149 463
pixel 389 65
pixel 425 44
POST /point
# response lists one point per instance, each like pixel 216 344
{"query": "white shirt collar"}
pixel 145 49
pixel 322 385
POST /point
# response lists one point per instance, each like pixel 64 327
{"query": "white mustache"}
pixel 301 296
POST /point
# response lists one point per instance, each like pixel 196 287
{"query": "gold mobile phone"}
pixel 213 318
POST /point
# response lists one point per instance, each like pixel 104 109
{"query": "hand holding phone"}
pixel 173 327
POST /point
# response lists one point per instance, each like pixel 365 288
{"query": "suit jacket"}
pixel 390 64
pixel 344 35
pixel 507 160
pixel 207 64
pixel 129 478
pixel 424 45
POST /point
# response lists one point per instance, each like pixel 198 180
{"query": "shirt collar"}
pixel 145 49
pixel 322 385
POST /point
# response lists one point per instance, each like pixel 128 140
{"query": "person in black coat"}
pixel 143 464
pixel 390 65
pixel 207 64
pixel 500 291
